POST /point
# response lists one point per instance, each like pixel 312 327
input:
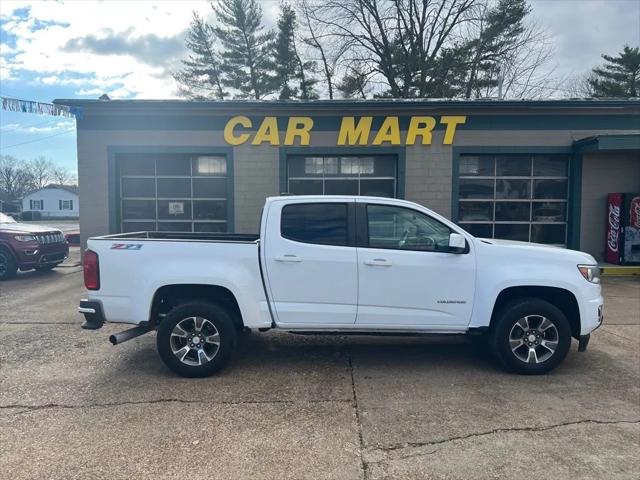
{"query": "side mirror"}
pixel 457 243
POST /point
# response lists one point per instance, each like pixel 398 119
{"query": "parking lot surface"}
pixel 302 407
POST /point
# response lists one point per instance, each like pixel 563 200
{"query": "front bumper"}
pixel 31 256
pixel 93 314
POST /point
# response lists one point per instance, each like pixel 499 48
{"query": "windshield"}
pixel 6 218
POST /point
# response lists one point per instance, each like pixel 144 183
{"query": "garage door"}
pixel 173 192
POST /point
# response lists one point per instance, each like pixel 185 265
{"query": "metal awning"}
pixel 607 143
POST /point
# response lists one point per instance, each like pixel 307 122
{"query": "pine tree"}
pixel 354 83
pixel 290 66
pixel 286 61
pixel 247 49
pixel 200 77
pixel 305 71
pixel 619 77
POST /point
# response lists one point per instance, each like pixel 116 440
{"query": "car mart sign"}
pixel 353 131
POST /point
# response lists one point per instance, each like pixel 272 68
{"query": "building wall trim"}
pixel 474 121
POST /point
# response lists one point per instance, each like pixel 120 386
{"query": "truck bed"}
pixel 185 236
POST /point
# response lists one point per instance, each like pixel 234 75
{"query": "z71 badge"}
pixel 126 246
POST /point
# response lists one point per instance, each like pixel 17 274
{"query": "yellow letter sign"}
pixel 298 127
pixel 389 132
pixel 229 136
pixel 350 134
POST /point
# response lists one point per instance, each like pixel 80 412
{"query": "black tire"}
pixel 46 268
pixel 504 330
pixel 221 321
pixel 8 266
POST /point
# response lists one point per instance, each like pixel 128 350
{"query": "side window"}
pixel 322 223
pixel 405 229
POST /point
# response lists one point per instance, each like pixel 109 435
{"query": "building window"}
pixel 342 175
pixel 36 204
pixel 65 204
pixel 173 192
pixel 515 197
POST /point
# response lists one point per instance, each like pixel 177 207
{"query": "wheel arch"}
pixel 562 298
pixel 168 296
pixel 7 246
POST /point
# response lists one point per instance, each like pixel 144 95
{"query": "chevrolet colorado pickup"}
pixel 347 265
pixel 26 247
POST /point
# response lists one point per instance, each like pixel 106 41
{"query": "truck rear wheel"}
pixel 8 267
pixel 530 336
pixel 196 339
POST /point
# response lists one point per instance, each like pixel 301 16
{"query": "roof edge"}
pixel 332 104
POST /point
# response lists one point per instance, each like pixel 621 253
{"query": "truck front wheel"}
pixel 196 339
pixel 530 336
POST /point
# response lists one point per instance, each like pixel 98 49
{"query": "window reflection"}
pixel 521 197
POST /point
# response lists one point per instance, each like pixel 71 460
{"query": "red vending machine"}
pixel 623 229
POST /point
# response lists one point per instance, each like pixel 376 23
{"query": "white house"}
pixel 53 201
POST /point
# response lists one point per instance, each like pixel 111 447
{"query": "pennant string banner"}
pixel 28 106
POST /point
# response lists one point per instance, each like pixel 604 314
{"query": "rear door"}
pixel 407 276
pixel 311 261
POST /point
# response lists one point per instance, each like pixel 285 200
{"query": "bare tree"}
pixel 41 170
pixel 578 86
pixel 524 70
pixel 400 40
pixel 328 53
pixel 15 178
pixel 62 176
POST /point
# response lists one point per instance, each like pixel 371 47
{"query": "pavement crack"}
pixel 617 335
pixel 418 445
pixel 47 406
pixel 363 463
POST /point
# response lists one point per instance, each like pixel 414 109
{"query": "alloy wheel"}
pixel 534 339
pixel 195 341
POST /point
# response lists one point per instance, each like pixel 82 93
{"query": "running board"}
pixel 375 333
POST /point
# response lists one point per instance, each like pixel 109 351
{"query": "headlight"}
pixel 591 273
pixel 25 238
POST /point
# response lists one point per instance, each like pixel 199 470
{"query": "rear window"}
pixel 322 223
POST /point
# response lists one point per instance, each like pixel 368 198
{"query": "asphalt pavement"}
pixel 72 406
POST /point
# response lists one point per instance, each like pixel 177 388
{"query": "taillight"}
pixel 91 268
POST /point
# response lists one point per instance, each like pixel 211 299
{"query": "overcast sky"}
pixel 82 49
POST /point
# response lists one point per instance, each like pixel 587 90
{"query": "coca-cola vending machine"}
pixel 623 228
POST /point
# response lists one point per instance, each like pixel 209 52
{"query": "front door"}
pixel 312 268
pixel 407 277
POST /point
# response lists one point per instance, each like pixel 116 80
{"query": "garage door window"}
pixel 515 197
pixel 342 175
pixel 173 192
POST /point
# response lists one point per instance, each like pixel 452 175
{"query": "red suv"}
pixel 27 247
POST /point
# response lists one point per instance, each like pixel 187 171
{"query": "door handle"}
pixel 378 262
pixel 288 258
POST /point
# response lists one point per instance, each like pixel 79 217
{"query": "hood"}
pixel 26 228
pixel 545 251
pixel 516 243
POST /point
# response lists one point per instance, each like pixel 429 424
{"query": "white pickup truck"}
pixel 342 265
